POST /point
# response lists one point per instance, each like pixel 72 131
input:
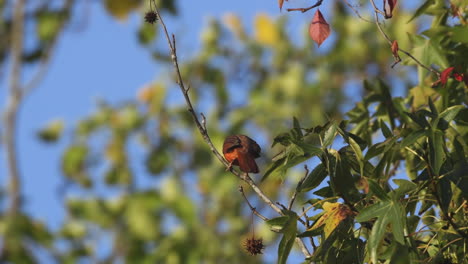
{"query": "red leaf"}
pixel 445 75
pixel 280 3
pixel 458 76
pixel 389 5
pixel 319 29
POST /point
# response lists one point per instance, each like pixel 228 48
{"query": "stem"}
pixel 305 9
pixel 253 209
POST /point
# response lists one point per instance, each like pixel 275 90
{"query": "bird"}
pixel 240 150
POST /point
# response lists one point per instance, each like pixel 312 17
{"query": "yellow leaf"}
pixel 334 214
pixel 266 32
pixel 233 23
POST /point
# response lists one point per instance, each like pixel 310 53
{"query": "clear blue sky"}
pixel 104 60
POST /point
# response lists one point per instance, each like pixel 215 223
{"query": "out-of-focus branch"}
pixel 203 131
pixel 45 60
pixel 13 102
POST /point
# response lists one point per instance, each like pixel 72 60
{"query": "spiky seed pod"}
pixel 151 17
pixel 254 246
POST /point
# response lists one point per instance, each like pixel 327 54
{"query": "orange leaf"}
pixel 389 5
pixel 319 29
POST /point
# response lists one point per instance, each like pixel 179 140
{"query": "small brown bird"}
pixel 242 151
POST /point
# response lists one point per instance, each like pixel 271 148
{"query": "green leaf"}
pixel 283 139
pixel 158 160
pixel 287 241
pixel 418 119
pixel 359 157
pixel 370 212
pixel 341 177
pixel 437 150
pixel 450 113
pixel 376 236
pixel 297 128
pixel 378 191
pixel 405 187
pixel 387 212
pixel 445 192
pixel 52 131
pixel 428 51
pixel 385 130
pixel 74 164
pixel 412 137
pixel 458 33
pixel 292 155
pixel 48 25
pixel 432 106
pixel 315 177
pixel 330 135
pixel 146 33
pixel 422 9
pixel 278 223
pixel 325 192
pixel 118 174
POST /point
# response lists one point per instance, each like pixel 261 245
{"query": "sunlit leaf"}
pixel 266 32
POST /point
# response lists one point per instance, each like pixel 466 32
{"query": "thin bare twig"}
pixel 356 12
pixel 253 209
pixel 305 9
pixel 244 176
pixel 377 22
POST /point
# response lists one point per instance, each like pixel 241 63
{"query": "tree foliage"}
pixel 388 178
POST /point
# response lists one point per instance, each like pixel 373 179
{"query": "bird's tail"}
pixel 247 163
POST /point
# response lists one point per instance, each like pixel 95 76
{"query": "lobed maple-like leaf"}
pixel 389 5
pixel 319 30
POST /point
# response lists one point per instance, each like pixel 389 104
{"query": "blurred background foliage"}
pixel 250 78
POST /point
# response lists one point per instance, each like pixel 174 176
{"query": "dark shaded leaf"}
pixel 315 177
pixel 287 241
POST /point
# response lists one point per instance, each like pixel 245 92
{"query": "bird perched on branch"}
pixel 242 151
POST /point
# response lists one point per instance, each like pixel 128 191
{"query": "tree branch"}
pixel 305 9
pixel 45 60
pixel 204 133
pixel 13 103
